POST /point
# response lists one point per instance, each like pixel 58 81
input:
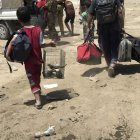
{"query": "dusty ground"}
pixel 108 109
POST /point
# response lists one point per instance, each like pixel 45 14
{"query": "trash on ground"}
pixel 48 132
pixel 103 85
pixel 94 79
pixel 51 107
pixel 14 68
pixel 49 86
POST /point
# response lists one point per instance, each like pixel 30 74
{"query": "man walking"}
pixel 109 29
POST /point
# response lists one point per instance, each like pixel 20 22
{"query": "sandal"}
pixel 38 106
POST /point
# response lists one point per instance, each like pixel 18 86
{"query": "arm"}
pixel 91 14
pixel 43 44
pixel 9 48
pixel 50 44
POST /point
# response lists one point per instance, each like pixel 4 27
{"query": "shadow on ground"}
pixel 57 95
pixel 61 43
pixel 93 72
pixel 128 69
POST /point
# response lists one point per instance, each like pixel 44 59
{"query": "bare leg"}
pixel 38 99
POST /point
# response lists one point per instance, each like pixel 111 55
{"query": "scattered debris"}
pixel 49 86
pixel 48 132
pixel 74 119
pixel 103 85
pixel 14 68
pixel 94 79
pixel 3 97
pixel 51 107
pixel 67 100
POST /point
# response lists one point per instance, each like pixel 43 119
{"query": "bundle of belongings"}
pixel 129 49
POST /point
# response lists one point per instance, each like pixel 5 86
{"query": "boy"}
pixel 83 21
pixel 70 16
pixel 34 62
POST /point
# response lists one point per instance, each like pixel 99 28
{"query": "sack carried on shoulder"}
pixel 88 53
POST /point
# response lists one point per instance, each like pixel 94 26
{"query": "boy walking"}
pixel 33 64
pixel 70 16
pixel 83 21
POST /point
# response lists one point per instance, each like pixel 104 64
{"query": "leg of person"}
pixel 66 23
pixel 105 41
pixel 33 73
pixel 72 24
pixel 51 25
pixel 114 43
pixel 115 39
pixel 60 21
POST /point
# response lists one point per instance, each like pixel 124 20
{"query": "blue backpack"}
pixel 21 47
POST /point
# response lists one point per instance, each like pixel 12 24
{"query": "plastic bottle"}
pixel 48 132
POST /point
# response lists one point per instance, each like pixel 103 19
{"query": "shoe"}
pixel 38 106
pixel 111 72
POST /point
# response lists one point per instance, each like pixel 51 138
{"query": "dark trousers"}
pixel 110 39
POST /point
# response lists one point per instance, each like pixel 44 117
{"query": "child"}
pixel 34 63
pixel 70 16
pixel 83 21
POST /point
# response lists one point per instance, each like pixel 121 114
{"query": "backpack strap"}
pixel 10 68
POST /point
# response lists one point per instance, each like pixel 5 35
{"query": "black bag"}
pixel 106 11
pixel 135 47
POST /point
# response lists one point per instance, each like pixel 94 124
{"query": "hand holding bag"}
pixel 88 52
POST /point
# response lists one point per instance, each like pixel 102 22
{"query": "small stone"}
pixel 104 85
pixel 51 107
pixel 3 87
pixel 14 68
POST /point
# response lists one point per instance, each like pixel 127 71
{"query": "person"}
pixel 83 21
pixel 109 35
pixel 82 6
pixel 34 62
pixel 51 7
pixel 60 7
pixel 70 16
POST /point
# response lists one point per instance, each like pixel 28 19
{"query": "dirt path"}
pixel 105 109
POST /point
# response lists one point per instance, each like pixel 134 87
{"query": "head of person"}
pixel 23 15
pixel 87 4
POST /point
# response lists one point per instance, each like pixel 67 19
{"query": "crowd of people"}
pixel 109 33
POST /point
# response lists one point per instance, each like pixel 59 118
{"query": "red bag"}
pixel 88 53
pixel 40 3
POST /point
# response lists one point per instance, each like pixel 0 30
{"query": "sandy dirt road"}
pixel 108 109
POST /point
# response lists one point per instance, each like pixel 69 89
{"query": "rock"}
pixel 104 85
pixel 51 107
pixel 14 68
pixel 94 79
